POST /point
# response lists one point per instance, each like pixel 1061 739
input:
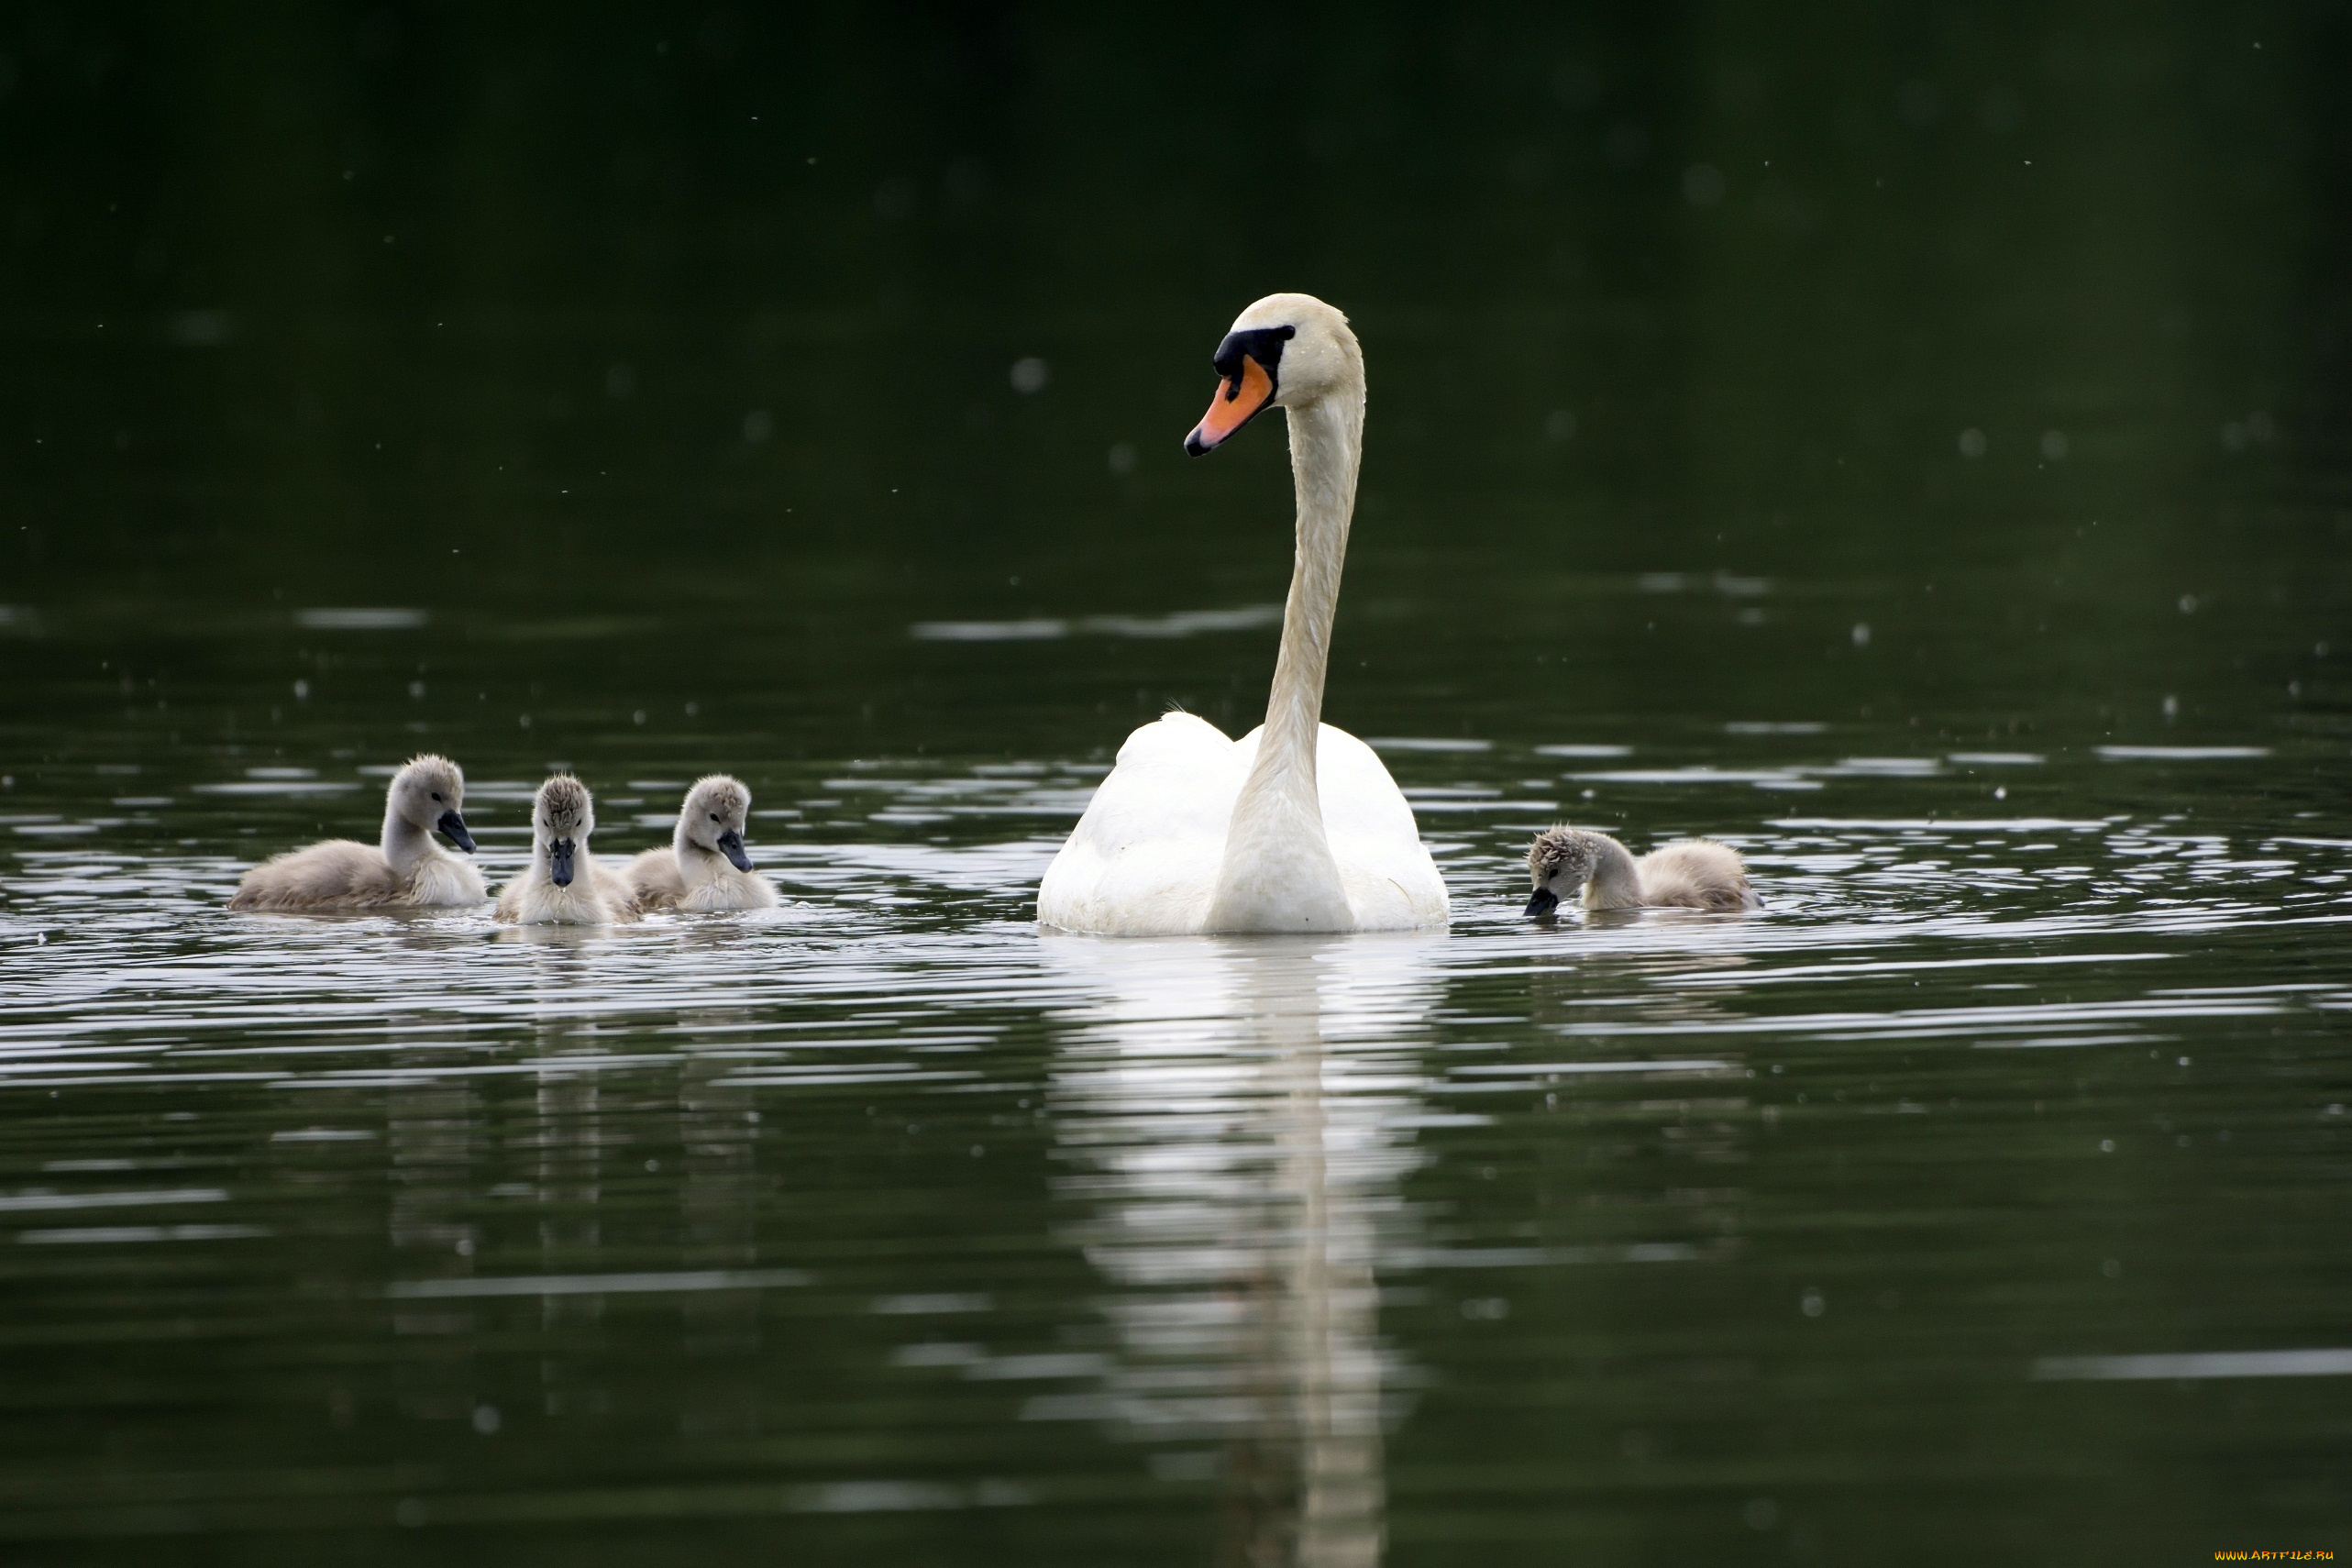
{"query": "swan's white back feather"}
pixel 1143 859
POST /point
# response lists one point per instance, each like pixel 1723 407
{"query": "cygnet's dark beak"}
pixel 1544 901
pixel 453 828
pixel 560 861
pixel 731 846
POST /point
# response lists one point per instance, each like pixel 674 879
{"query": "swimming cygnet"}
pixel 1690 873
pixel 565 886
pixel 407 869
pixel 705 869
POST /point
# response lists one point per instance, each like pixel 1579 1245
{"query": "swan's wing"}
pixel 653 876
pixel 1144 858
pixel 613 887
pixel 441 881
pixel 335 874
pixel 1392 883
pixel 1696 873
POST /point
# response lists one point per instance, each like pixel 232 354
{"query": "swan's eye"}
pixel 714 816
pixel 436 796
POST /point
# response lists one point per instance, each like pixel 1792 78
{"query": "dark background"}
pixel 588 309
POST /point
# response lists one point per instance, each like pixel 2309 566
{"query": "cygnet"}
pixel 705 870
pixel 566 885
pixel 1690 873
pixel 406 870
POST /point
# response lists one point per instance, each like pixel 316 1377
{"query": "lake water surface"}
pixel 1984 1187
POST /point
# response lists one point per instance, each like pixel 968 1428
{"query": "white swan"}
pixel 705 870
pixel 566 885
pixel 406 870
pixel 1297 826
pixel 1690 873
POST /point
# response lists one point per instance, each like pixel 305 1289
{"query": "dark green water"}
pixel 1909 447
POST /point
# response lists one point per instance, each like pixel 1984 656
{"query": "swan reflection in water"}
pixel 1235 1120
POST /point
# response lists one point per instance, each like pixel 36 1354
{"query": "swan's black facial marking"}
pixel 1262 344
pixel 1250 365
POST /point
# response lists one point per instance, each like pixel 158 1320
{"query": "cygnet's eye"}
pixel 714 816
pixel 436 796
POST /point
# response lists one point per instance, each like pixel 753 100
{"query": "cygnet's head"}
pixel 430 793
pixel 713 816
pixel 1286 351
pixel 1560 861
pixel 562 816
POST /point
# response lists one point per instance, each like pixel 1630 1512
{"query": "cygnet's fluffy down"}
pixel 705 870
pixel 565 885
pixel 1690 873
pixel 407 869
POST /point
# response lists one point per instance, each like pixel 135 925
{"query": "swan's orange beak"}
pixel 1234 405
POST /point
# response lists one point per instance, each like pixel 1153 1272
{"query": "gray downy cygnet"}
pixel 404 869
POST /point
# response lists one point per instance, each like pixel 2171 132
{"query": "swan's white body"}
pixel 1146 858
pixel 1298 826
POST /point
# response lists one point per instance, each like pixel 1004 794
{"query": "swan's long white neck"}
pixel 696 864
pixel 1616 880
pixel 406 846
pixel 1278 874
pixel 1326 449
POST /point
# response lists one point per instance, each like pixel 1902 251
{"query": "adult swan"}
pixel 1297 826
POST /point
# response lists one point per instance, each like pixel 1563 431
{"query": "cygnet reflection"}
pixel 1236 1117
